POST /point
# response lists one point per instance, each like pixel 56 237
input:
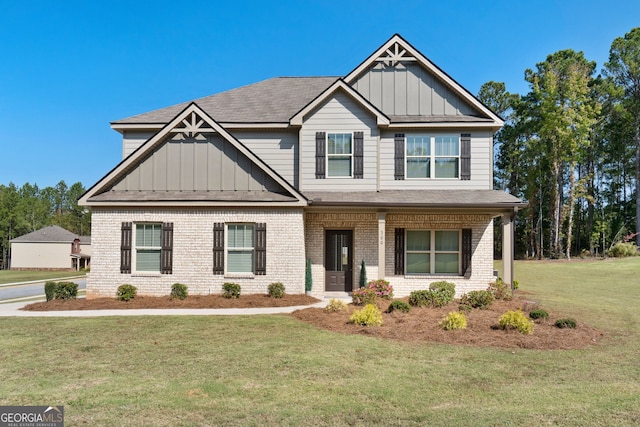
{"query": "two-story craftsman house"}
pixel 391 164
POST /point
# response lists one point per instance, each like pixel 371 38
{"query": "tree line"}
pixel 29 208
pixel 570 147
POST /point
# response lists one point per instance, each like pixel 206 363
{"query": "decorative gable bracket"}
pixel 191 127
pixel 394 55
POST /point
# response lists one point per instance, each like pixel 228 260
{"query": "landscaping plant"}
pixel 515 319
pixel 126 292
pixel 276 290
pixel 398 305
pixel 453 320
pixel 566 323
pixel 178 290
pixel 335 305
pixel 370 315
pixel 231 290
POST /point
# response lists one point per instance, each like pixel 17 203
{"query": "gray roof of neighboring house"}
pixel 51 234
pixel 275 100
pixel 416 198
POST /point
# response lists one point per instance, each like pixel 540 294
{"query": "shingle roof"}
pixel 416 198
pixel 191 196
pixel 274 100
pixel 51 234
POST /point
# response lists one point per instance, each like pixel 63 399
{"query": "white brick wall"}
pixel 193 250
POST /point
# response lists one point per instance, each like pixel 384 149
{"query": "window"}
pixel 240 247
pixel 148 247
pixel 432 157
pixel 339 154
pixel 432 252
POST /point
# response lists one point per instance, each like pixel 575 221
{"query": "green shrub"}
pixel 363 296
pixel 565 323
pixel 335 305
pixel 231 290
pixel 465 308
pixel 65 290
pixel 398 305
pixel 539 314
pixel 363 275
pixel 370 315
pixel 516 285
pixel 382 288
pixel 276 290
pixel 453 320
pixel 477 299
pixel 442 293
pixel 178 290
pixel 420 298
pixel 621 250
pixel 500 290
pixel 308 277
pixel 49 290
pixel 126 292
pixel 515 319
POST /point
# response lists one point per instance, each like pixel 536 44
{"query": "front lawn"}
pixel 276 370
pixel 17 276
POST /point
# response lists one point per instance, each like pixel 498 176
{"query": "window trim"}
pixel 329 155
pixel 433 252
pixel 135 248
pixel 227 248
pixel 432 157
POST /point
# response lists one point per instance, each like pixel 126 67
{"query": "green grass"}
pixel 274 370
pixel 15 276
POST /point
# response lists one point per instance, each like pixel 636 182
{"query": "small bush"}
pixel 65 290
pixel 49 290
pixel 370 315
pixel 231 290
pixel 477 299
pixel 442 293
pixel 382 288
pixel 453 320
pixel 621 250
pixel 420 298
pixel 465 308
pixel 516 285
pixel 538 314
pixel 515 319
pixel 126 292
pixel 178 290
pixel 276 290
pixel 363 296
pixel 500 290
pixel 335 305
pixel 565 323
pixel 398 305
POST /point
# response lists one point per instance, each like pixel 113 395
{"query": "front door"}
pixel 338 260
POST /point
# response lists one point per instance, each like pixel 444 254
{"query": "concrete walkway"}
pixel 13 310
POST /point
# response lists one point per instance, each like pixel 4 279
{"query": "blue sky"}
pixel 69 68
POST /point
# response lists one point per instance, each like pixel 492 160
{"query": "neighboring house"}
pixel 391 164
pixel 50 248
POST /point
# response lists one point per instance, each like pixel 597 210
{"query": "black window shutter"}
pixel 218 248
pixel 465 156
pixel 466 252
pixel 260 260
pixel 399 156
pixel 358 155
pixel 125 247
pixel 399 251
pixel 320 155
pixel 166 251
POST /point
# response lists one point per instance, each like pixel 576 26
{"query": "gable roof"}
pixel 50 234
pixel 397 49
pixel 269 101
pixel 340 84
pixel 192 122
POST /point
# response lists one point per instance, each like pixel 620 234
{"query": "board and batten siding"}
pixel 481 164
pixel 409 89
pixel 132 139
pixel 278 149
pixel 340 114
pixel 213 164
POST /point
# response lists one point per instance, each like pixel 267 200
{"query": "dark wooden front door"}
pixel 338 260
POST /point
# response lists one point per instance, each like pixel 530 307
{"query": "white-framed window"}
pixel 432 252
pixel 148 247
pixel 339 154
pixel 240 248
pixel 432 156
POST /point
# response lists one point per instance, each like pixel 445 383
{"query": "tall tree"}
pixel 624 69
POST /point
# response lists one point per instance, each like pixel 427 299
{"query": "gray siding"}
pixel 277 148
pixel 481 163
pixel 213 164
pixel 339 114
pixel 132 139
pixel 409 89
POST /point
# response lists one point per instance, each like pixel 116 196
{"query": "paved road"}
pixel 31 289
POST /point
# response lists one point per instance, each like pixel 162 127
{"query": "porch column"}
pixel 507 248
pixel 382 216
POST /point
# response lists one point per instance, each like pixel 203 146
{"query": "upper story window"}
pixel 429 156
pixel 339 154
